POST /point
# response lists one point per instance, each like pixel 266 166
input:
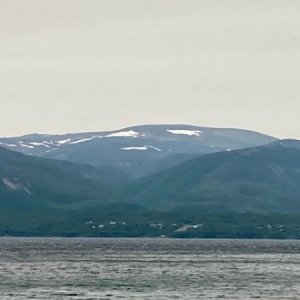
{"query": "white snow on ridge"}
pixel 39 144
pixel 54 144
pixel 8 145
pixel 185 132
pixel 26 146
pixel 62 142
pixel 135 148
pixel 82 140
pixel 141 148
pixel 130 133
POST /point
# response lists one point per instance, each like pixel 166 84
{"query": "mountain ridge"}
pixel 26 135
pixel 244 193
pixel 136 150
pixel 257 179
pixel 27 180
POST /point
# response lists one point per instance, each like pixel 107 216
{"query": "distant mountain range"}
pixel 139 150
pixel 151 180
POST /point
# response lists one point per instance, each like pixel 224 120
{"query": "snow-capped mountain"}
pixel 135 147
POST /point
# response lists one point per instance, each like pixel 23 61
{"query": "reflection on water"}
pixel 148 269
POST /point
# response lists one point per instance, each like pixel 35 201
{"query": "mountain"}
pixel 260 179
pixel 32 182
pixel 249 193
pixel 139 150
pixel 287 143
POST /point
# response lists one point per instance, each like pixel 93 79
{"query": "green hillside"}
pixel 262 179
pixel 30 182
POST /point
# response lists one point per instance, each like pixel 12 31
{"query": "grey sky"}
pixel 81 65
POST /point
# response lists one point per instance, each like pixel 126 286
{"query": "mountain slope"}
pixel 261 179
pixel 27 181
pixel 137 149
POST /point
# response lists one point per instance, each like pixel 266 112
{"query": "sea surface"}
pixel 82 268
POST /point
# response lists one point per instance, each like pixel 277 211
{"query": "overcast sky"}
pixel 89 65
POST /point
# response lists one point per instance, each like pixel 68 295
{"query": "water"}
pixel 148 269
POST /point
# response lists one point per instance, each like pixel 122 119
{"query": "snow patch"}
pixel 62 142
pixel 130 133
pixel 141 148
pixel 26 146
pixel 9 145
pixel 135 148
pixel 82 141
pixel 185 132
pixel 39 144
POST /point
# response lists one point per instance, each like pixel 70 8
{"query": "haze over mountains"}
pixel 261 179
pixel 139 150
pixel 151 169
pixel 27 182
